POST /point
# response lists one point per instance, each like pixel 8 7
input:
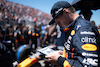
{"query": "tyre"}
pixel 23 52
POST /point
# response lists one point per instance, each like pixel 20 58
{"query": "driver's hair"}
pixel 72 9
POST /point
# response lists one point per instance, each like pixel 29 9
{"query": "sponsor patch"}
pixel 89 47
pixel 89 54
pixel 66 29
pixel 90 61
pixel 88 40
pixel 58 10
pixel 87 32
pixel 67 46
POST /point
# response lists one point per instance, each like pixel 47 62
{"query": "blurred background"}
pixel 26 22
pixel 28 11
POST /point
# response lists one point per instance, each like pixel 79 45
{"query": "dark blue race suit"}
pixel 81 46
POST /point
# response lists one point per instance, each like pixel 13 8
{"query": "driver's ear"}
pixel 65 10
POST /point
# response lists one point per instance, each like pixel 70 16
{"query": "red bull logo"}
pixel 66 29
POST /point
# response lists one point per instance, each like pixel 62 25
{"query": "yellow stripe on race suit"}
pixel 66 64
pixel 65 54
pixel 99 32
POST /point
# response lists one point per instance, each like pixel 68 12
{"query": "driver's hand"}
pixel 53 57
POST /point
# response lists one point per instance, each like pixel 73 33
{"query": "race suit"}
pixel 81 48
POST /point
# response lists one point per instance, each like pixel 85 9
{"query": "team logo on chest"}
pixel 88 40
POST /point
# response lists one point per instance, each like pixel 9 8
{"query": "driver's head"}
pixel 61 13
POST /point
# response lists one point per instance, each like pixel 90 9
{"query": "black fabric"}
pixel 61 60
pixel 6 57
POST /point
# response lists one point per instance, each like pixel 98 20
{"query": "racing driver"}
pixel 81 48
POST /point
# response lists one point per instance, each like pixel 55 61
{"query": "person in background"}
pixel 60 35
pixel 43 31
pixel 81 48
pixel 19 36
pixel 46 40
pixel 2 32
pixel 34 34
pixel 25 30
pixel 7 40
pixel 11 33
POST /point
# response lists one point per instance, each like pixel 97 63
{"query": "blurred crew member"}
pixel 26 36
pixel 7 40
pixel 19 36
pixel 47 37
pixel 34 34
